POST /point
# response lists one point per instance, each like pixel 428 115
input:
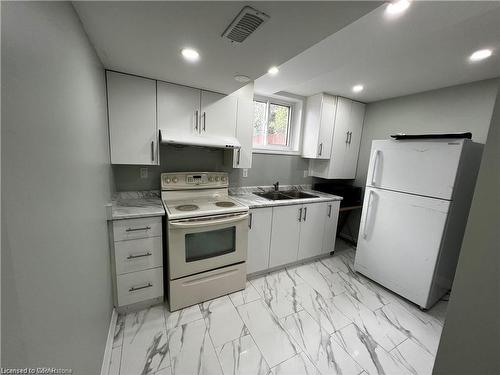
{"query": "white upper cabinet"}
pixel 242 157
pixel 132 119
pixel 178 108
pixel 348 125
pixel 188 111
pixel 318 127
pixel 138 107
pixel 218 114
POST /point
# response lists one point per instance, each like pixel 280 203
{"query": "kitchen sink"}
pixel 283 195
pixel 273 195
pixel 296 194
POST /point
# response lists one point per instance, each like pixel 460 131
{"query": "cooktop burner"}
pixel 224 204
pixel 187 207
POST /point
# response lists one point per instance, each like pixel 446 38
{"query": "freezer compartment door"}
pixel 419 167
pixel 399 241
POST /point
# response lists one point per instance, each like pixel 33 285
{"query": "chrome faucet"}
pixel 276 186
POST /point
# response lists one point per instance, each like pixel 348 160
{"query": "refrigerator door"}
pixel 399 241
pixel 425 168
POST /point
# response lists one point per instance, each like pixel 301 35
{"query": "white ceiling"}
pixel 145 38
pixel 426 48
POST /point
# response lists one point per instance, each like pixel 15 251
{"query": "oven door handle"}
pixel 207 223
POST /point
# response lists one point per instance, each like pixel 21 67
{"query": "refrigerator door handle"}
pixel 375 164
pixel 367 213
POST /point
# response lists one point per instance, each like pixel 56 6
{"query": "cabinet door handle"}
pixel 305 213
pixel 196 120
pixel 375 164
pixel 300 214
pixel 137 229
pixel 329 210
pixel 350 137
pixel 365 223
pixel 134 256
pixel 152 150
pixel 250 217
pixel 347 137
pixel 134 288
pixel 239 157
pixel 204 121
pixel 320 148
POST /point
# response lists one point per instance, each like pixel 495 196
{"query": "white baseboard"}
pixel 109 344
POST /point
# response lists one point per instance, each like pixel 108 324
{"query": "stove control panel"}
pixel 193 180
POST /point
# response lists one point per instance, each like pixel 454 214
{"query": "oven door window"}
pixel 210 244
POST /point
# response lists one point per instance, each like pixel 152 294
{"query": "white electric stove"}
pixel 207 234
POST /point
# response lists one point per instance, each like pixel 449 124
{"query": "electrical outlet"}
pixel 144 173
pixel 245 172
pixel 306 173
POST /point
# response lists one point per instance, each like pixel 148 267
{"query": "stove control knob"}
pixel 175 180
pixel 224 179
pixel 167 180
pixel 211 179
pixel 217 178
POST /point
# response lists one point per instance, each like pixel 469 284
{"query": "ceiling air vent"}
pixel 245 23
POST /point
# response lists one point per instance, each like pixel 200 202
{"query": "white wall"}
pixel 56 292
pixel 453 109
pixel 469 342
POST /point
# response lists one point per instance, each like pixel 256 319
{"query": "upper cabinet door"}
pixel 326 127
pixel 355 127
pixel 218 114
pixel 242 158
pixel 318 127
pixel 132 119
pixel 178 109
pixel 340 138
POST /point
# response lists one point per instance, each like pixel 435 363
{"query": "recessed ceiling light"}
pixel 480 55
pixel 273 70
pixel 241 78
pixel 397 7
pixel 357 88
pixel 190 54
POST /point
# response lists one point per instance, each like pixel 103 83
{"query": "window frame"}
pixel 292 130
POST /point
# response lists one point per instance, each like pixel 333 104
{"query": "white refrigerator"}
pixel 417 199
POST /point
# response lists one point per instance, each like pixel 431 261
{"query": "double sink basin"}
pixel 284 195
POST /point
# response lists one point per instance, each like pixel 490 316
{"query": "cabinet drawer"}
pixel 139 286
pixel 194 289
pixel 138 255
pixel 129 229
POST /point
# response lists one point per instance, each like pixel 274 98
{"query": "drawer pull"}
pixel 136 229
pixel 134 288
pixel 139 255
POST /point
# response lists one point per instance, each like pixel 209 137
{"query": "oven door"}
pixel 205 243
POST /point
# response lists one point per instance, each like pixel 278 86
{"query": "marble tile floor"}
pixel 317 318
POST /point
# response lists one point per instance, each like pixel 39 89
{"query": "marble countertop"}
pixel 247 197
pixel 135 204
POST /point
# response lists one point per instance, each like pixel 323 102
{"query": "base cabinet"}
pixel 298 232
pixel 285 235
pixel 312 227
pixel 259 238
pixel 330 231
pixel 136 262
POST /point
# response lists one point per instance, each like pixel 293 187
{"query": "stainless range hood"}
pixel 200 140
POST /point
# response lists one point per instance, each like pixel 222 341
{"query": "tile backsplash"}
pixel 266 168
